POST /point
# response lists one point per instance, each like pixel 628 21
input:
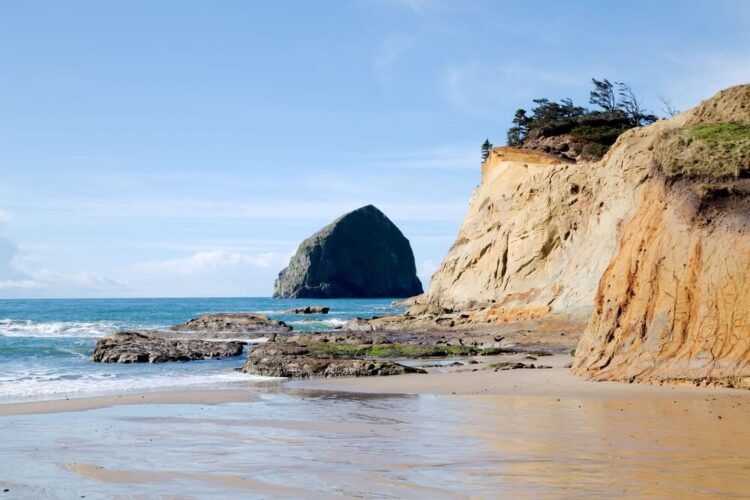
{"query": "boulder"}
pixel 138 347
pixel 287 359
pixel 359 255
pixel 233 325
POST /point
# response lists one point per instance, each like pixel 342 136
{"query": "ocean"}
pixel 45 345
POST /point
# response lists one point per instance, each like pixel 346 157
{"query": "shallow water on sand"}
pixel 294 443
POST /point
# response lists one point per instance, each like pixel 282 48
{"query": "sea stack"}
pixel 361 254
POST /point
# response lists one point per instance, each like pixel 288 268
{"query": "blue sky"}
pixel 185 148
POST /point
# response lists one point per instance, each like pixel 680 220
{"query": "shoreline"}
pixel 468 380
pixel 84 403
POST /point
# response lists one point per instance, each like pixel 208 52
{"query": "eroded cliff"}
pixel 647 252
pixel 674 303
pixel 539 233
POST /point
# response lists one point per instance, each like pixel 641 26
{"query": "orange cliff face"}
pixel 674 303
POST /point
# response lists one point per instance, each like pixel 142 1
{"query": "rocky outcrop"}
pixel 674 303
pixel 309 310
pixel 138 347
pixel 232 325
pixel 361 254
pixel 287 359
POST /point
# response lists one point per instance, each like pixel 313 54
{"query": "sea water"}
pixel 46 345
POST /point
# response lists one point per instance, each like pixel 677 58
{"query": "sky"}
pixel 185 148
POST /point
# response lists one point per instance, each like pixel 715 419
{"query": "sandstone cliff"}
pixel 649 247
pixel 539 233
pixel 674 303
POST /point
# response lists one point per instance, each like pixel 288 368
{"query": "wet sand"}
pixel 204 396
pixel 519 433
pixel 479 380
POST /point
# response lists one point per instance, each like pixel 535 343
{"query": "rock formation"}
pixel 232 325
pixel 538 235
pixel 361 254
pixel 286 359
pixel 309 310
pixel 651 244
pixel 138 347
pixel 674 303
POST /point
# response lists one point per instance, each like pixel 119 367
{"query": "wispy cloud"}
pixel 212 260
pixel 20 274
pixel 215 272
pixel 443 158
pixel 479 88
pixel 79 281
pixel 390 52
pixel 417 6
pixel 20 285
pixel 697 76
pixel 5 217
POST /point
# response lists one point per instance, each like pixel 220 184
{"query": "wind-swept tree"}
pixel 604 95
pixel 668 107
pixel 486 149
pixel 570 110
pixel 631 106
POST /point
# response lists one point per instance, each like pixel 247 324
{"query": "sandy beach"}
pixel 448 434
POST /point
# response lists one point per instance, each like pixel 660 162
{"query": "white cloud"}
pixel 208 273
pixel 78 281
pixel 212 260
pixel 20 285
pixel 8 261
pixel 18 273
pixel 5 217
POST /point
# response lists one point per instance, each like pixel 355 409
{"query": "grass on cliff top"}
pixel 398 350
pixel 710 151
pixel 720 132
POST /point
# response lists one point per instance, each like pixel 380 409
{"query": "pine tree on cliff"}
pixel 605 95
pixel 517 133
pixel 486 149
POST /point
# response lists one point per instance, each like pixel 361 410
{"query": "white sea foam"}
pixel 52 329
pixel 319 323
pixel 56 385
